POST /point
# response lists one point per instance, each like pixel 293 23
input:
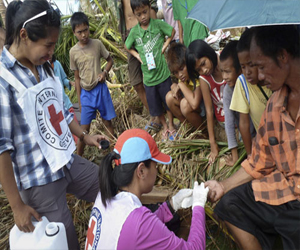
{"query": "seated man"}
pixel 261 200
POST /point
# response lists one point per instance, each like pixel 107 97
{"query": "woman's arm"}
pixel 22 213
pixel 193 97
pixel 210 120
pixel 144 230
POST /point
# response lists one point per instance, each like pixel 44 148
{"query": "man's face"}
pixel 273 74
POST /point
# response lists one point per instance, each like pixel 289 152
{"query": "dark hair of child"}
pixel 79 18
pixel 111 179
pixel 245 41
pixel 196 50
pixel 138 3
pixel 176 56
pixel 272 39
pixel 229 51
pixel 18 12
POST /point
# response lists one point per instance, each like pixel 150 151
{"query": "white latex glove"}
pixel 179 197
pixel 199 194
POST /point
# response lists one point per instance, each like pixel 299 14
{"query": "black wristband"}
pixel 170 207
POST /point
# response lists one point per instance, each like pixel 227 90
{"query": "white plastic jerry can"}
pixel 46 235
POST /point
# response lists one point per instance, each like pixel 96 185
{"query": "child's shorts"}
pixel 156 97
pixel 134 70
pixel 96 99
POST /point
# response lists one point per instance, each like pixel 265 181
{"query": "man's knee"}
pixel 228 206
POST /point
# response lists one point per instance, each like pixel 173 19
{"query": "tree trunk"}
pixel 2 11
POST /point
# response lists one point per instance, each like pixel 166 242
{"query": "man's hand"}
pixel 22 216
pixel 94 140
pixel 216 190
pixel 72 83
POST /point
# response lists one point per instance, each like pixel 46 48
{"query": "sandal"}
pixel 173 135
pixel 153 126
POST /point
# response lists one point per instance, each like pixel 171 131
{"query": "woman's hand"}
pixel 178 198
pixel 94 140
pixel 22 216
pixel 199 194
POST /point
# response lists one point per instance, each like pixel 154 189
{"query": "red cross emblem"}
pixel 55 119
pixel 90 235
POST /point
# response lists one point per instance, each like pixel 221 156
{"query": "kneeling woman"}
pixel 118 219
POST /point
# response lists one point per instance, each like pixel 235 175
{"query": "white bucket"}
pixel 46 235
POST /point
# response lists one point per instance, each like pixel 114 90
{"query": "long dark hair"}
pixel 18 12
pixel 196 50
pixel 111 179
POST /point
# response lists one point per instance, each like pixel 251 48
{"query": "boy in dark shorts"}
pixel 127 22
pixel 91 88
pixel 148 39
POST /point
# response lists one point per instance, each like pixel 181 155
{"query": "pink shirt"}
pixel 146 230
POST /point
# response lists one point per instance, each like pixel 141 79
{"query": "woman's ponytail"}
pixel 107 188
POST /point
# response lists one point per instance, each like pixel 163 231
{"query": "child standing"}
pixel 249 96
pixel 202 61
pixel 147 37
pixel 183 99
pixel 92 91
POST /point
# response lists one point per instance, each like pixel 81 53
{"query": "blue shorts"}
pixel 156 97
pixel 96 99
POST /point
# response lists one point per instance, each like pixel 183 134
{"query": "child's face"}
pixel 248 69
pixel 42 50
pixel 204 66
pixel 82 33
pixel 229 73
pixel 181 73
pixel 143 15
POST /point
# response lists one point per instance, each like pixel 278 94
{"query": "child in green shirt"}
pixel 146 42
